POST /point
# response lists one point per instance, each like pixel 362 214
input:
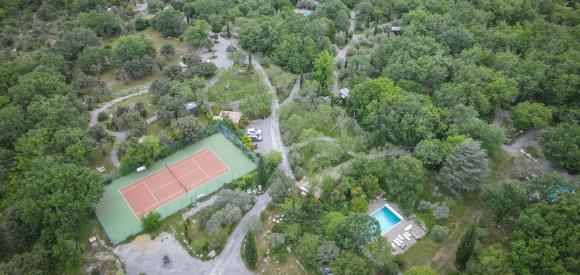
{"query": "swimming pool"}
pixel 306 13
pixel 387 218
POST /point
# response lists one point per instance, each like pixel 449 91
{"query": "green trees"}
pixel 186 129
pixel 151 222
pixel 379 255
pixel 531 116
pixel 103 23
pixel 507 198
pixel 169 23
pixel 198 35
pixel 420 270
pixel 431 152
pixel 492 260
pixel 73 42
pixel 37 85
pixel 357 230
pixel 465 168
pixel 323 71
pixel 54 196
pixel 359 204
pixel 92 60
pixel 405 179
pixel 417 62
pixel 307 249
pixel 562 145
pixel 129 48
pixel 251 253
pixel 140 153
pixel 545 239
pixel 465 247
pixel 348 263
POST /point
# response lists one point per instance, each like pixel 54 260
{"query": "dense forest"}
pixel 443 103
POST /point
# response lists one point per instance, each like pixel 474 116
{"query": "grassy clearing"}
pixel 236 85
pixel 130 103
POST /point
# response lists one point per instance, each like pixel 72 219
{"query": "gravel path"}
pixel 144 255
pixel 95 113
pixel 341 53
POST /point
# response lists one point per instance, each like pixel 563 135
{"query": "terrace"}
pixel 403 234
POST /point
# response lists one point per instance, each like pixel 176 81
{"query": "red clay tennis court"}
pixel 175 180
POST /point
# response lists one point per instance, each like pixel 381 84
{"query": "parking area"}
pixel 266 145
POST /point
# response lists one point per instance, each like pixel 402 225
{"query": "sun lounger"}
pixel 399 243
pixel 407 234
pixel 409 227
pixel 408 239
pixel 393 245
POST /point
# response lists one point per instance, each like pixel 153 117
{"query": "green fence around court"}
pixel 118 220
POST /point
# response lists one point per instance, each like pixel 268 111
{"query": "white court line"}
pixel 126 201
pixel 165 201
pixel 143 180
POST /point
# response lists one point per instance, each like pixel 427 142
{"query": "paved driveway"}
pixel 267 144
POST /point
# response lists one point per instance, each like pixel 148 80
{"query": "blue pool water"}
pixel 386 218
pixel 306 13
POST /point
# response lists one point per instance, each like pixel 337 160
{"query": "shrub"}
pixel 438 233
pixel 531 116
pixel 141 24
pixel 251 253
pixel 167 50
pixel 275 240
pixel 137 68
pixel 440 212
pixel 151 222
pixel 424 206
pixel 235 197
pixel 102 116
pixel 228 215
pixel 169 23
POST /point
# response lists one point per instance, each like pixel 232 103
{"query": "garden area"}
pixel 238 88
pixel 206 232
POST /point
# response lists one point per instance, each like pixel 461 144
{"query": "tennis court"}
pixel 177 179
pixel 170 185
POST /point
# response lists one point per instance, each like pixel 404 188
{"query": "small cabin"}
pixel 191 108
pixel 396 30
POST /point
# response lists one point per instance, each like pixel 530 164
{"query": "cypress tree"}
pixel 262 173
pixel 465 247
pixel 250 249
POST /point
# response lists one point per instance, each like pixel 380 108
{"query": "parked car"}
pixel 255 137
pixel 253 131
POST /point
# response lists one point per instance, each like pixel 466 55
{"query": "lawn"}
pixel 236 85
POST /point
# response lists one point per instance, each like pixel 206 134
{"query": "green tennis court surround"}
pixel 116 216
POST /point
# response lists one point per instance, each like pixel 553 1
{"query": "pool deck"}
pixel 416 230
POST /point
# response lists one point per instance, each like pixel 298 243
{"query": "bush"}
pixel 228 215
pixel 531 116
pixel 137 68
pixel 131 47
pixel 102 116
pixel 424 206
pixel 275 240
pixel 167 50
pixel 92 60
pixel 438 233
pixel 103 23
pixel 440 212
pixel 141 24
pixel 151 222
pixel 562 145
pixel 251 253
pixel 169 23
pixel 238 198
